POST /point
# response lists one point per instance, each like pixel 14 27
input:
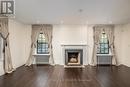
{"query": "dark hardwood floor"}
pixel 58 76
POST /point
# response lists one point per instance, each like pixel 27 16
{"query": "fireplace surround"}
pixel 75 55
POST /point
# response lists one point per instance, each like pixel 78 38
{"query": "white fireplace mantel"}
pixel 76 46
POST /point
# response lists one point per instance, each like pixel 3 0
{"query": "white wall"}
pixel 126 45
pixel 90 43
pixel 1 56
pixel 19 43
pixel 123 44
pixel 118 42
pixel 67 34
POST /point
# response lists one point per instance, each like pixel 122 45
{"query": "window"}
pixel 103 47
pixel 42 44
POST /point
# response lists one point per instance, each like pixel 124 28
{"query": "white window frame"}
pixel 41 53
pixel 103 43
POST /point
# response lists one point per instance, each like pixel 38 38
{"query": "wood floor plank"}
pixel 58 76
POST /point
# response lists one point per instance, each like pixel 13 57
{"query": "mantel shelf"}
pixel 41 54
pixel 74 45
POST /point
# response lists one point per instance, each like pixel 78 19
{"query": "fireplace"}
pixel 73 57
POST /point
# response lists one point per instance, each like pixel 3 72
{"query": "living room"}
pixel 64 43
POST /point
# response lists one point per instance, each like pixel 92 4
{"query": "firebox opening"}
pixel 73 57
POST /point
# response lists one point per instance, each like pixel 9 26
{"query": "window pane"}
pixel 106 50
pixel 101 40
pixel 102 50
pixel 102 46
pixel 106 45
pixel 105 40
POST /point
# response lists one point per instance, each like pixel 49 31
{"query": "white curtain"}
pixel 109 30
pixel 8 67
pixel 34 36
pixel 97 33
pixel 46 29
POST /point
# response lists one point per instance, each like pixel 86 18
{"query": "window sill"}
pixel 41 54
pixel 104 54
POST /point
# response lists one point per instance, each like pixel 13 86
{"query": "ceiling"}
pixel 73 11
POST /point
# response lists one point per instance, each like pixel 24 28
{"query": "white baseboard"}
pixel 42 62
pixel 82 66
